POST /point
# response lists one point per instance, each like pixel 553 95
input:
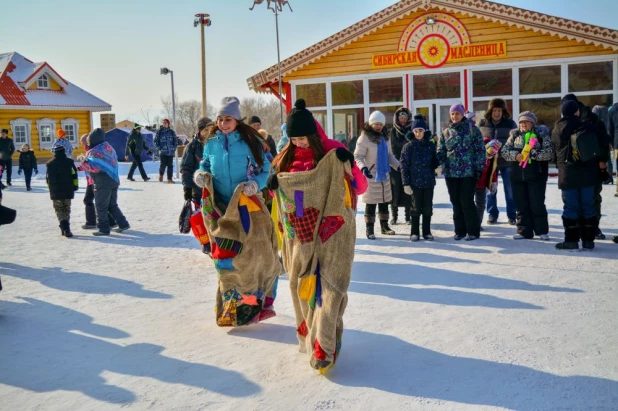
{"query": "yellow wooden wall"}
pixel 53 85
pixel 522 45
pixel 83 117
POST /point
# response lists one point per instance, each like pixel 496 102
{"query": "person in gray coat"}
pixel 102 164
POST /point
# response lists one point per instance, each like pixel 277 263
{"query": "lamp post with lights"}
pixel 203 20
pixel 165 71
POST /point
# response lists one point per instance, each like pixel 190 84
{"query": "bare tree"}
pixel 187 114
pixel 267 109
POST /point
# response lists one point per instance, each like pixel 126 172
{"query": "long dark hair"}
pixel 283 162
pixel 249 136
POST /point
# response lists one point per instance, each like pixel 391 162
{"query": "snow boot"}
pixel 386 230
pixel 65 227
pixel 427 227
pixel 170 181
pixel 571 235
pixel 415 228
pixel 160 178
pixel 590 229
pixel 369 222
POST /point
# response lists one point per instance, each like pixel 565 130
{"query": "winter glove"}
pixel 407 190
pixel 273 182
pixel 250 188
pixel 200 178
pixel 366 173
pixel 19 171
pixel 344 155
pixel 603 175
pixel 188 194
pixel 494 188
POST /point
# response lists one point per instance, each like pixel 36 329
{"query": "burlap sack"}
pixel 244 250
pixel 317 211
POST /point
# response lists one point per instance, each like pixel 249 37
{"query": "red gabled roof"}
pixel 39 69
pixel 11 93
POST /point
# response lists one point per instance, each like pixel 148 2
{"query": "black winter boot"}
pixel 590 227
pixel 394 214
pixel 369 231
pixel 65 227
pixel 427 227
pixel 571 235
pixel 386 230
pixel 415 228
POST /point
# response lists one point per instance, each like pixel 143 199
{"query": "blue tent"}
pixel 118 139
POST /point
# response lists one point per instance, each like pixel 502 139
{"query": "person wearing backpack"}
pixel 577 179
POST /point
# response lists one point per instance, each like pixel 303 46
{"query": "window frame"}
pixel 45 78
pixel 71 122
pixel 46 122
pixel 22 122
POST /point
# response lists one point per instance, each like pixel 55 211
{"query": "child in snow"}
pixel 62 141
pixel 61 177
pixel 418 166
pixel 27 164
pixel 316 188
pixel 374 156
pixel 488 179
pixel 243 242
pixel 101 162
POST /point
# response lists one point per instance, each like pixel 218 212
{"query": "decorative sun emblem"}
pixel 433 50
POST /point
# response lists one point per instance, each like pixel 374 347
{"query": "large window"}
pixel 480 107
pixel 46 129
pixel 436 86
pixel 314 94
pixel 489 83
pixel 347 123
pixel 43 82
pixel 347 92
pixel 21 132
pixel 386 90
pixel 591 77
pixel 540 80
pixel 320 116
pixel 547 110
pixel 71 126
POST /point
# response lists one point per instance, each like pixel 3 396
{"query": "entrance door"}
pixel 436 112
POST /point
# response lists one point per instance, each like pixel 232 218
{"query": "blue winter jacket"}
pixel 230 161
pixel 418 163
pixel 166 141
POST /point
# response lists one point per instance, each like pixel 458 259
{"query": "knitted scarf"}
pixel 104 158
pixel 383 166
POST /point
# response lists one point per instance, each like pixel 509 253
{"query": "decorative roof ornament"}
pixel 278 5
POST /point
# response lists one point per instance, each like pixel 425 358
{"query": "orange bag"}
pixel 198 227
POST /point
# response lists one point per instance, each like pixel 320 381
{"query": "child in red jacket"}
pixel 489 177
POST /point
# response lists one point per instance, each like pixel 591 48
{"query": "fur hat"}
pixel 458 108
pixel 60 133
pixel 527 116
pixel 25 147
pixel 497 103
pixel 203 122
pixel 419 122
pixel 377 117
pixel 569 108
pixel 230 106
pixel 255 119
pixel 300 121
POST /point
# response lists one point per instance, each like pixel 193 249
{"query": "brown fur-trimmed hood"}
pixel 372 135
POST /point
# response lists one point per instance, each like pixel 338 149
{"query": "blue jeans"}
pixel 492 199
pixel 578 202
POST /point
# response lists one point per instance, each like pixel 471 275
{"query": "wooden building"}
pixel 429 54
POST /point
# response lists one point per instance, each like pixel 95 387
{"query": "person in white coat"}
pixel 374 156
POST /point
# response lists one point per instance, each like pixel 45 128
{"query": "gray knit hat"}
pixel 527 116
pixel 96 137
pixel 230 106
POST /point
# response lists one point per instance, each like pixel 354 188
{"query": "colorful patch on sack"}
pixel 287 206
pixel 228 316
pixel 329 226
pixel 224 248
pixel 305 226
pixel 318 352
pixel 245 219
pixel 224 264
pixel 252 203
pixel 208 207
pixel 287 226
pixel 351 186
pixel 302 329
pixel 338 335
pixel 299 200
pixel 307 287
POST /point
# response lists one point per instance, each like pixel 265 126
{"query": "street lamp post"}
pixel 202 19
pixel 165 71
pixel 278 7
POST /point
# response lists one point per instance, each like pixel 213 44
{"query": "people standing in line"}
pixel 90 209
pixel 461 151
pixel 488 181
pixel 598 127
pixel 256 124
pixel 61 178
pixel 166 142
pixel 613 134
pixel 233 170
pixel 418 171
pixel 27 164
pixel 135 146
pixel 496 125
pixel 529 151
pixel 401 134
pixel 374 157
pixel 308 181
pixel 7 148
pixel 62 141
pixel 576 179
pixel 101 162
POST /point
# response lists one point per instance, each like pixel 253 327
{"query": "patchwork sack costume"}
pixel 244 251
pixel 316 211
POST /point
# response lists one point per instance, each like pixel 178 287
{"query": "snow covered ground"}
pixel 127 320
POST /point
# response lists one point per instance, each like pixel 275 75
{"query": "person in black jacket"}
pixel 27 164
pixel 135 146
pixel 497 124
pixel 401 134
pixel 7 148
pixel 269 141
pixel 577 180
pixel 587 116
pixel 191 161
pixel 61 178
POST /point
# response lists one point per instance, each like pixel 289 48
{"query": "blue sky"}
pixel 114 49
